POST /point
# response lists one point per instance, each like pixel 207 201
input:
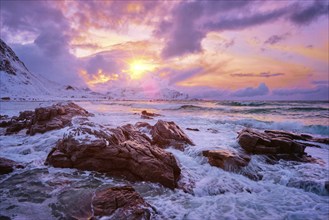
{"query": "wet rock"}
pixel 167 134
pixel 226 159
pixel 5 98
pixel 121 203
pixel 123 151
pixel 276 145
pixel 212 130
pixel 143 125
pixel 146 117
pixel 8 166
pixel 269 143
pixel 294 136
pixel 192 129
pixel 150 114
pixel 44 119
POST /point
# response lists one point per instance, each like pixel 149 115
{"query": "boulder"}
pixel 149 114
pixel 226 159
pixel 44 119
pixel 122 151
pixel 269 143
pixel 294 136
pixel 166 134
pixel 121 203
pixel 8 166
pixel 192 129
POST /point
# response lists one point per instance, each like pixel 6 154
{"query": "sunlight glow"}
pixel 99 77
pixel 138 68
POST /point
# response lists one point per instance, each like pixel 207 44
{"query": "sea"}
pixel 288 189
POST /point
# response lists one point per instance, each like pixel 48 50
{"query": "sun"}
pixel 138 68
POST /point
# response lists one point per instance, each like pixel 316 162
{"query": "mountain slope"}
pixel 15 79
pixel 138 93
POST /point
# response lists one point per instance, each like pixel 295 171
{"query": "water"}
pixel 288 190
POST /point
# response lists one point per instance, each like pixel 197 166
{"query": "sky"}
pixel 238 49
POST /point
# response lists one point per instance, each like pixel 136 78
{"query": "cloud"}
pixel 319 92
pixel 193 20
pixel 178 76
pixel 261 90
pixel 312 12
pixel 103 62
pixel 185 38
pixel 244 22
pixel 204 92
pixel 274 39
pixel 53 43
pixel 263 74
pixel 321 82
pixel 184 32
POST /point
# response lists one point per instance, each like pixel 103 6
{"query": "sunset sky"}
pixel 239 49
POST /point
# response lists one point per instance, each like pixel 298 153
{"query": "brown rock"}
pixel 269 143
pixel 167 134
pixel 121 203
pixel 226 159
pixel 45 119
pixel 143 125
pixel 192 129
pixel 123 151
pixel 294 136
pixel 149 114
pixel 8 166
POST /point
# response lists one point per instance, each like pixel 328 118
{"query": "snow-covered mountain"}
pixel 18 83
pixel 142 94
pixel 15 79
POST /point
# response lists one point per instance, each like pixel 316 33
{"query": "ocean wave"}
pixel 191 107
pixel 236 103
pixel 307 109
pixel 286 126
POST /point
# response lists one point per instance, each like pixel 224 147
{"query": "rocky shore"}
pixel 137 152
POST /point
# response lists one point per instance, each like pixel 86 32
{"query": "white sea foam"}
pixel 288 190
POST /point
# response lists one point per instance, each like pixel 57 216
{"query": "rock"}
pixel 144 125
pixel 212 130
pixel 146 117
pixel 149 114
pixel 8 166
pixel 123 151
pixel 192 129
pixel 269 143
pixel 121 203
pixel 294 136
pixel 44 119
pixel 226 159
pixel 167 134
pixel 69 88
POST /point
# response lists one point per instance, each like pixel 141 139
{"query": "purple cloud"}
pixel 261 90
pixel 193 20
pixel 321 82
pixel 312 12
pixel 227 23
pixel 184 31
pixel 263 74
pixel 178 76
pixel 274 39
pixel 320 92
